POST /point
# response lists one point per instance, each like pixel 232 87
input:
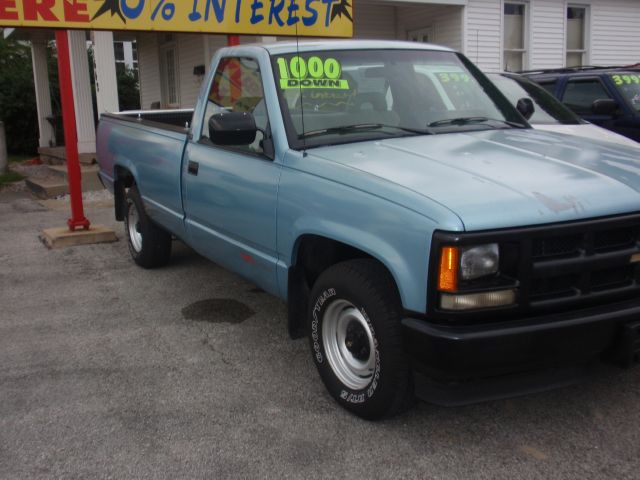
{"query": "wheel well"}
pixel 123 179
pixel 314 254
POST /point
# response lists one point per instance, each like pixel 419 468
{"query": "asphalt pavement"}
pixel 111 371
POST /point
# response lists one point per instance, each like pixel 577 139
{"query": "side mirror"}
pixel 525 107
pixel 232 128
pixel 604 106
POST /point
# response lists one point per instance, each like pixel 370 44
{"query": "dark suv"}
pixel 606 96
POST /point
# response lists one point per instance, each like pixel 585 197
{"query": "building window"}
pixel 169 75
pixel 424 35
pixel 514 37
pixel 118 50
pixel 576 36
pixel 126 55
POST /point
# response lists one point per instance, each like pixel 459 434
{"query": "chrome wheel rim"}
pixel 133 227
pixel 348 344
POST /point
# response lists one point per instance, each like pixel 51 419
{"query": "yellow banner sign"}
pixel 317 18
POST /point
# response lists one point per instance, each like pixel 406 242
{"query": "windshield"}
pixel 547 110
pixel 341 96
pixel 629 86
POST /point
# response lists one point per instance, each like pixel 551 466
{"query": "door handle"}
pixel 193 167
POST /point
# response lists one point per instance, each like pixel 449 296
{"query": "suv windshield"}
pixel 341 96
pixel 629 86
pixel 547 110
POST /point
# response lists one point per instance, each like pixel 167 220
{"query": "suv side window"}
pixel 579 95
pixel 237 87
pixel 549 86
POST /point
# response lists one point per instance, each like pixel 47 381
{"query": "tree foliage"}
pixel 128 89
pixel 18 108
pixel 17 97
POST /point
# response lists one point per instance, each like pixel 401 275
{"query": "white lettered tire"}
pixel 356 341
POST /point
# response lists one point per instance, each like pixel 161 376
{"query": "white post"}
pixel 105 72
pixel 127 48
pixel 4 161
pixel 207 53
pixel 85 122
pixel 43 95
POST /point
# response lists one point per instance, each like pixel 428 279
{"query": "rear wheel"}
pixel 149 245
pixel 356 339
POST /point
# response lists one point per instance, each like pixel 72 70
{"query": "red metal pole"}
pixel 233 40
pixel 77 220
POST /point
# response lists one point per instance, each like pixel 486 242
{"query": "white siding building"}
pixel 495 34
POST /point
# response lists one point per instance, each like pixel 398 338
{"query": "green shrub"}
pixel 17 97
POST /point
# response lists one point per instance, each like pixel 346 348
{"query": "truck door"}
pixel 230 192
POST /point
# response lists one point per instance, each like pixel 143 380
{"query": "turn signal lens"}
pixel 448 272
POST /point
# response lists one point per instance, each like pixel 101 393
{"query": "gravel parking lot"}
pixel 108 370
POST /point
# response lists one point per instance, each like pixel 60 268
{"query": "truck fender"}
pixel 313 253
pixel 123 177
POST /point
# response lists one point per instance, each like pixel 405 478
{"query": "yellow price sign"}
pixel 453 77
pixel 311 73
pixel 625 79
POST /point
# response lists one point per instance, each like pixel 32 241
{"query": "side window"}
pixel 237 87
pixel 580 95
pixel 549 86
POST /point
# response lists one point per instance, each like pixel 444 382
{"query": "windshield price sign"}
pixel 319 18
pixel 312 73
pixel 626 79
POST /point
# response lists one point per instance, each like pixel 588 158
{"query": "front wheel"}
pixel 149 245
pixel 356 339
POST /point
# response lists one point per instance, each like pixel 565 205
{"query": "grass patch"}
pixel 19 157
pixel 10 177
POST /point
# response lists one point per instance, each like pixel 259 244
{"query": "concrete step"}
pixel 58 156
pixel 90 180
pixel 52 182
pixel 51 160
pixel 49 187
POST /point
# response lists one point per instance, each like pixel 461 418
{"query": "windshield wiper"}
pixel 362 127
pixel 471 120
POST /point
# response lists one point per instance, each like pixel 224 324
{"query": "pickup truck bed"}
pixel 158 166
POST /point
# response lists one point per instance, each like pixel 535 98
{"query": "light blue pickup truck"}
pixel 426 240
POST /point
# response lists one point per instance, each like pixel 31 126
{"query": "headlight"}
pixel 467 262
pixel 480 261
pixel 460 264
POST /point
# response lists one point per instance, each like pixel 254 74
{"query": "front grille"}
pixel 555 268
pixel 561 246
pixel 590 263
pixel 615 239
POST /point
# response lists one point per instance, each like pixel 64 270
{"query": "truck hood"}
pixel 588 130
pixel 504 178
